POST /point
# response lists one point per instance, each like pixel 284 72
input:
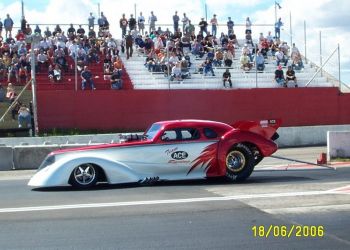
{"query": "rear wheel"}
pixel 239 163
pixel 84 176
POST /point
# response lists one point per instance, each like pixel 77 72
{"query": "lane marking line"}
pixel 159 202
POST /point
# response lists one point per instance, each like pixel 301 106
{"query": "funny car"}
pixel 168 150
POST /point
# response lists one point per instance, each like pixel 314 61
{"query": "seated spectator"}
pixel 116 79
pixel 246 50
pixel 3 69
pixel 22 74
pixel 226 77
pixel 290 76
pixel 176 73
pixel 297 62
pixel 43 60
pixel 118 64
pixel 280 57
pixel 197 49
pixel 260 61
pixel 218 57
pixel 245 62
pixel 13 70
pixel 284 48
pixel 57 74
pixel 24 117
pixel 62 62
pixel 279 76
pixel 228 58
pixel 10 92
pixel 185 73
pixel 50 74
pixel 80 31
pixel 86 77
pixel 208 67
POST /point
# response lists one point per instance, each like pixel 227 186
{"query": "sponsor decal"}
pixel 170 151
pixel 179 155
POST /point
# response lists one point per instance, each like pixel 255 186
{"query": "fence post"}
pixel 339 76
pixel 305 42
pixel 321 53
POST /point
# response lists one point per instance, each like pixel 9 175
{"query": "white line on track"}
pixel 158 202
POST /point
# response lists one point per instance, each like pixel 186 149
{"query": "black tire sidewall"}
pixel 248 167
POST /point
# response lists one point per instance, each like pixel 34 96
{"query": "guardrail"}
pixel 28 153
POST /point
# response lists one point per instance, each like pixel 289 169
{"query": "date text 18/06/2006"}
pixel 288 231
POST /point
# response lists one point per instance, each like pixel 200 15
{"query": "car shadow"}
pixel 221 181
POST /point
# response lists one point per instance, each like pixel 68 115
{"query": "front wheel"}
pixel 84 176
pixel 239 163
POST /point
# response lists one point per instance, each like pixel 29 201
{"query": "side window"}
pixel 209 133
pixel 169 135
pixel 181 134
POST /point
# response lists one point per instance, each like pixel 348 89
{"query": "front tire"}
pixel 239 163
pixel 84 176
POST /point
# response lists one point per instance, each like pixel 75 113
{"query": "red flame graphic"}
pixel 206 158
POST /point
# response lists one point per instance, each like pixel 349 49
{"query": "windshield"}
pixel 152 131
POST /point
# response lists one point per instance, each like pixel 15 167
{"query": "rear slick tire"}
pixel 240 163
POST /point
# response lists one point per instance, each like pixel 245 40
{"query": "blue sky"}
pixel 329 16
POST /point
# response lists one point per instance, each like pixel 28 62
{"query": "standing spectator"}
pixel 132 22
pixel 8 24
pixel 28 30
pixel 278 26
pixel 91 21
pixel 87 78
pixel 80 31
pixel 152 22
pixel 123 23
pixel 185 23
pixel 226 77
pixel 248 26
pixel 190 29
pixel 23 24
pixel 176 20
pixel 128 45
pixel 141 23
pixel 214 25
pixel 1 25
pixel 203 26
pixel 47 32
pixel 230 25
pixel 37 30
pixel 290 76
pixel 279 76
pixel 103 22
pixel 24 117
pixel 71 31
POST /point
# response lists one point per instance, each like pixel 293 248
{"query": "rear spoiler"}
pixel 265 128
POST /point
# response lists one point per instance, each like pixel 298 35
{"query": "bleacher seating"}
pixel 143 79
pixel 68 78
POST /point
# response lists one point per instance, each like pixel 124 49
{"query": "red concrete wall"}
pixel 136 109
